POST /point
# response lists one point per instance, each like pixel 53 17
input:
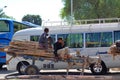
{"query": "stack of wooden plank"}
pixel 114 50
pixel 2 49
pixel 27 48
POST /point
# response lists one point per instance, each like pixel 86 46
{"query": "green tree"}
pixel 1 13
pixel 35 19
pixel 91 9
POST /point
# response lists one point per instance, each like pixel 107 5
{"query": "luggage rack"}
pixel 80 22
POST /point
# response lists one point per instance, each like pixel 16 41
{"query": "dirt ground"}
pixel 63 77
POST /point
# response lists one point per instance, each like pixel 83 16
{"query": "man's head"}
pixel 60 40
pixel 46 30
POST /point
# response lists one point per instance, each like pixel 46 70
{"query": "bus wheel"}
pixel 31 70
pixel 98 69
pixel 22 66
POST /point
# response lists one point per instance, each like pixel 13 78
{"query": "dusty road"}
pixel 112 75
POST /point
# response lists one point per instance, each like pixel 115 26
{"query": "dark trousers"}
pixel 55 53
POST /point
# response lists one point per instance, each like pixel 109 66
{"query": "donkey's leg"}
pixel 69 66
pixel 83 68
pixel 68 69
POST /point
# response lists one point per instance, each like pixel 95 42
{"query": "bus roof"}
pixel 29 23
pixel 37 30
pixel 86 28
pixel 23 22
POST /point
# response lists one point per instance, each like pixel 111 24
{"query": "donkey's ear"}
pixel 77 52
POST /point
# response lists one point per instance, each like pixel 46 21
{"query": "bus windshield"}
pixel 19 26
pixel 4 26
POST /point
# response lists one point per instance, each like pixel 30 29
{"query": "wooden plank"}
pixel 27 48
pixel 2 49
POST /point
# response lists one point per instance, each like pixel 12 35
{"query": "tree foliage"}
pixel 91 9
pixel 35 19
pixel 3 15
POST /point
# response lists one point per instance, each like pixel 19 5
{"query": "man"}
pixel 43 41
pixel 58 45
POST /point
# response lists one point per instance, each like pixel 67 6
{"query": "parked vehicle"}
pixel 7 28
pixel 91 39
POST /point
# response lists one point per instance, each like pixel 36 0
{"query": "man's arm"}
pixel 55 47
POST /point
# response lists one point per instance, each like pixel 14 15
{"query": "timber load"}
pixel 30 48
pixel 114 49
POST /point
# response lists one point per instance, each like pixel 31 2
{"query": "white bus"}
pixel 90 38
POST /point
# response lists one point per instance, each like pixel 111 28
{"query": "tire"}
pixel 1 66
pixel 108 69
pixel 98 69
pixel 21 67
pixel 31 70
pixel 78 70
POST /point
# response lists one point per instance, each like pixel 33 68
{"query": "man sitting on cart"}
pixel 43 40
pixel 58 45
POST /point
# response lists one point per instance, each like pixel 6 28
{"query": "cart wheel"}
pixel 31 70
pixel 22 66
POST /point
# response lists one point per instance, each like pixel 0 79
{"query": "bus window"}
pixel 34 38
pixel 19 26
pixel 4 26
pixel 116 35
pixel 75 40
pixel 92 39
pixel 106 39
pixel 64 36
pixel 103 39
pixel 53 38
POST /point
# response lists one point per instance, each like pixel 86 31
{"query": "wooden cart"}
pixel 30 48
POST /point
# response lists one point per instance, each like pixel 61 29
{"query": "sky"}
pixel 47 9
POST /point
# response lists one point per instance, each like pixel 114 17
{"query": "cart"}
pixel 30 48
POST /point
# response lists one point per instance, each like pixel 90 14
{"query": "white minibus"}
pixel 91 39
